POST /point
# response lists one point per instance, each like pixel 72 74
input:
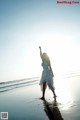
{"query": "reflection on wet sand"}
pixel 52 111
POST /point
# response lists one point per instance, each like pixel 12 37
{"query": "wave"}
pixel 9 85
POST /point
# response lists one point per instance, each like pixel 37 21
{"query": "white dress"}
pixel 46 75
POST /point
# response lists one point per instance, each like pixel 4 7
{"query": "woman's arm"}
pixel 40 52
pixel 51 70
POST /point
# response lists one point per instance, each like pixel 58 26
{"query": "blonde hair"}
pixel 45 58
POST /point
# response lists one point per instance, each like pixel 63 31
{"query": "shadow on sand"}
pixel 52 111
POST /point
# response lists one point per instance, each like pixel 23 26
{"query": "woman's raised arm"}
pixel 40 52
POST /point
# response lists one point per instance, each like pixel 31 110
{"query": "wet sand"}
pixel 24 103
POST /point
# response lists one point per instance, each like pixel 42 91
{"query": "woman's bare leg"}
pixel 44 88
pixel 52 89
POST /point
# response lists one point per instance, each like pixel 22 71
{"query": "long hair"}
pixel 45 58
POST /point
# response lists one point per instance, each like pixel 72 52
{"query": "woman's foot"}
pixel 55 98
pixel 42 98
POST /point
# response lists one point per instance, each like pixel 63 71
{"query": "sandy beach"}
pixel 24 103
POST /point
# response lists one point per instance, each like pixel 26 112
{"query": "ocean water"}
pixel 9 85
pixel 72 81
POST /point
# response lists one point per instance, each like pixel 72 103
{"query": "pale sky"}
pixel 26 24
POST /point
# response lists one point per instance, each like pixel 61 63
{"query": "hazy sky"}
pixel 26 24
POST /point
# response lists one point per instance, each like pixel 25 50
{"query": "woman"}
pixel 47 74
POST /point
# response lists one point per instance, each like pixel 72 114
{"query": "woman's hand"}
pixel 52 75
